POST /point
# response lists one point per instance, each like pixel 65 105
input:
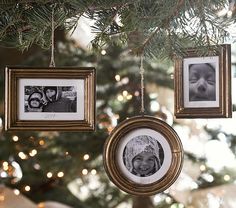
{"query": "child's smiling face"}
pixel 144 163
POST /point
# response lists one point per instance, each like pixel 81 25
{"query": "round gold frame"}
pixel 115 173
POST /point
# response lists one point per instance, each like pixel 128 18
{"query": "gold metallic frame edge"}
pixel 116 175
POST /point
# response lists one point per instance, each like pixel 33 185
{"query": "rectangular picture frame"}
pixel 50 99
pixel 202 84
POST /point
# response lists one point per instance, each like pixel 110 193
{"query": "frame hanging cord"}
pixel 52 61
pixel 142 84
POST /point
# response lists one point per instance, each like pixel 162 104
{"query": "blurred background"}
pixel 61 170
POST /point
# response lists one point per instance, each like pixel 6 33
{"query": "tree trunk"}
pixel 142 202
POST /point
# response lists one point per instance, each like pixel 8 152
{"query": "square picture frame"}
pixel 50 99
pixel 202 84
pixel 150 138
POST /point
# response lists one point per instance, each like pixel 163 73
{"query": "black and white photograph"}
pixel 202 83
pixel 201 76
pixel 50 99
pixel 44 99
pixel 143 156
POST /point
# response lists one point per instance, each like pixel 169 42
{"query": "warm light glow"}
pixel 27 188
pixel 86 156
pixel 33 152
pixel 103 52
pixel 129 97
pixel 226 177
pixel 60 174
pixel 120 98
pixel 16 192
pixel 93 172
pixel 202 167
pixel 2 198
pixel 5 166
pixel 49 174
pixel 41 205
pixel 41 142
pixel 117 78
pixel 15 138
pixel 136 93
pixel 22 155
pixel 125 93
pixel 37 166
pixel 168 200
pixel 84 171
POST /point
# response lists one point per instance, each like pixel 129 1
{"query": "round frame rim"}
pixel 110 160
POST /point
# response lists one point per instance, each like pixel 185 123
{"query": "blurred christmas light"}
pixel 93 172
pixel 157 199
pixel 120 98
pixel 15 138
pixel 103 52
pixel 37 166
pixel 117 78
pixel 129 97
pixel 172 76
pixel 125 93
pixel 33 152
pixel 125 80
pixel 16 192
pixel 86 157
pixel 41 142
pixel 22 155
pixel 208 177
pixel 27 188
pixel 41 205
pixel 84 171
pixel 155 106
pixel 168 200
pixel 202 167
pixel 0 122
pixel 60 174
pixel 49 174
pixel 2 197
pixel 5 165
pixel 227 177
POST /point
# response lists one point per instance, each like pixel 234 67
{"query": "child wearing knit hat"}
pixel 141 156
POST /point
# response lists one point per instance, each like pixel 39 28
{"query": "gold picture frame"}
pixel 143 134
pixel 71 107
pixel 196 97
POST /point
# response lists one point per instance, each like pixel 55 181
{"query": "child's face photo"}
pixel 34 101
pixel 143 156
pixel 202 82
pixel 144 163
pixel 50 93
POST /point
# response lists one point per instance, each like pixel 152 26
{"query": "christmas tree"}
pixel 68 167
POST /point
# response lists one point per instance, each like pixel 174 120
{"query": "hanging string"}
pixel 142 84
pixel 52 62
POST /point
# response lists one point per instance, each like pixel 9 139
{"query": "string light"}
pixel 226 177
pixel 84 171
pixel 93 172
pixel 103 52
pixel 49 174
pixel 27 188
pixel 86 157
pixel 16 192
pixel 120 98
pixel 168 200
pixel 117 78
pixel 33 152
pixel 22 155
pixel 15 138
pixel 125 93
pixel 41 205
pixel 5 166
pixel 202 167
pixel 37 166
pixel 41 142
pixel 60 174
